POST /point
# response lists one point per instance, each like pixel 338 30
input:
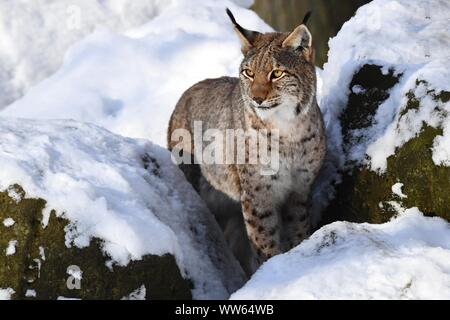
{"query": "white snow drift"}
pixel 125 192
pixel 407 258
pixel 130 83
pixel 34 35
pixel 6 294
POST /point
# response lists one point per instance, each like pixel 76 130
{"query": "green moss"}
pixel 14 268
pixel 365 196
pixel 444 96
pixel 426 184
pixel 414 103
pixel 360 198
pixel 27 269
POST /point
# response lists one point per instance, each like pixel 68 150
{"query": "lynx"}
pixel 261 215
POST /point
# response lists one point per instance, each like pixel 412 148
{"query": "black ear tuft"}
pixel 306 18
pixel 250 35
pixel 247 37
pixel 230 14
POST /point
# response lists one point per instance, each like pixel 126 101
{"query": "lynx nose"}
pixel 260 90
pixel 259 101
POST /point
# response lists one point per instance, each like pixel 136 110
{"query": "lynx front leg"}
pixel 262 223
pixel 296 221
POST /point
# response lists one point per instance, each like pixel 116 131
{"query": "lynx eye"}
pixel 277 74
pixel 248 73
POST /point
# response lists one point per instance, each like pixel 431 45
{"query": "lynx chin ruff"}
pixel 261 215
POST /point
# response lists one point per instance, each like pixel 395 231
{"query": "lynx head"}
pixel 277 74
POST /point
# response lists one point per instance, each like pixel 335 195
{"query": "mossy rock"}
pixel 365 195
pixel 41 261
pixel 362 107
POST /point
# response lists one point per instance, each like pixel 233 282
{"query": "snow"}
pixel 441 148
pixel 397 190
pixel 407 258
pixel 38 266
pixel 8 222
pixel 13 194
pixel 129 83
pixel 42 253
pixel 98 181
pixel 11 249
pixel 411 38
pixel 6 294
pixel 120 69
pixel 30 293
pixel 358 89
pixel 33 44
pixel 67 299
pixel 138 294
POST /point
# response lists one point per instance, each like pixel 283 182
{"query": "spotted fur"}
pixel 270 211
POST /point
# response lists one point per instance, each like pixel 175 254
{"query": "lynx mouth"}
pixel 266 107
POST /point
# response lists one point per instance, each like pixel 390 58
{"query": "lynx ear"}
pixel 247 37
pixel 300 37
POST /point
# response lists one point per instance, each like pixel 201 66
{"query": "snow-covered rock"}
pixel 410 40
pixel 115 207
pixel 407 258
pixel 95 199
pixel 6 294
pixel 34 35
pixel 82 204
pixel 129 83
pixel 386 102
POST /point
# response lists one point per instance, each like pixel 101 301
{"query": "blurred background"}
pixel 327 19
